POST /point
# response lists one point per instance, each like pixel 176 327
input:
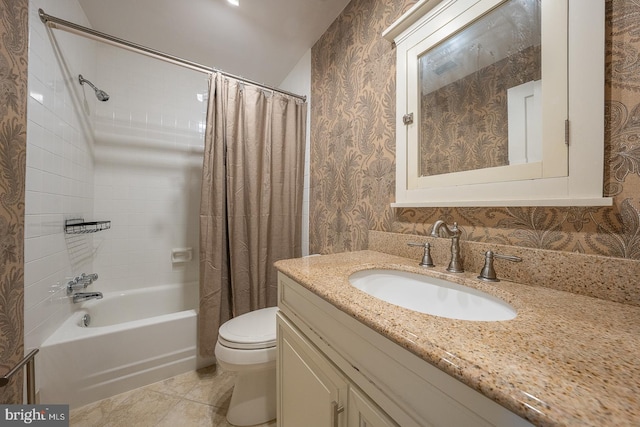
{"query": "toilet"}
pixel 247 345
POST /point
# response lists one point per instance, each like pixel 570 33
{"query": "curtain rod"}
pixel 61 24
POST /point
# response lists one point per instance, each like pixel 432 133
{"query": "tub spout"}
pixel 84 296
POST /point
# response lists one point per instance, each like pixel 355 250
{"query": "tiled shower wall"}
pixel 134 160
pixel 148 167
pixel 59 175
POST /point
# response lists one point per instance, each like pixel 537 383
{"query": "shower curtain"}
pixel 251 200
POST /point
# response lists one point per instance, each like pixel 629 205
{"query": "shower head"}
pixel 100 94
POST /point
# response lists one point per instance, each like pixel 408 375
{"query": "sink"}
pixel 431 295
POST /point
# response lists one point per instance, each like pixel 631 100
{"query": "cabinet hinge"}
pixel 566 131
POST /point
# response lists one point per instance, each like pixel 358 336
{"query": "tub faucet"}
pixel 84 296
pixel 88 279
pixel 455 265
pixel 81 282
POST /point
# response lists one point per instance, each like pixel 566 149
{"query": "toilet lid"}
pixel 253 330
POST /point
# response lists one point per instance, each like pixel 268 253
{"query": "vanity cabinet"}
pixel 362 412
pixel 312 392
pixel 333 370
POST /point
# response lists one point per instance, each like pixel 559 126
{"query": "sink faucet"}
pixel 455 265
pixel 488 273
pixel 426 255
pixel 84 296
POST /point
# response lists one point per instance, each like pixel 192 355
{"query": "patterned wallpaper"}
pixel 13 123
pixel 353 145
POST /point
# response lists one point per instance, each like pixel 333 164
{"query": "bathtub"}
pixel 134 338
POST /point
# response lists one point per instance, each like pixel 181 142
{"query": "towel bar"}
pixel 31 375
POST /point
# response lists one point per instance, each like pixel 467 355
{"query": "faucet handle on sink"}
pixel 426 256
pixel 488 273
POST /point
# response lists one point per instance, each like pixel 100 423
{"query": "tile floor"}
pixel 194 399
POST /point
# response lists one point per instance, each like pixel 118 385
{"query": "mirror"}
pixel 500 103
pixel 480 93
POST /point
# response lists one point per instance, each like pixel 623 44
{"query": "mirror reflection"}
pixel 480 101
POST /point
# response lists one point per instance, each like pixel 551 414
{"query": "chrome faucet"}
pixel 81 282
pixel 455 265
pixel 88 278
pixel 84 296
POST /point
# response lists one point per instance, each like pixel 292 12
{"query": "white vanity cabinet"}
pixel 363 412
pixel 333 370
pixel 312 392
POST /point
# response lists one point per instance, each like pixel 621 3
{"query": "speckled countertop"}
pixel 565 360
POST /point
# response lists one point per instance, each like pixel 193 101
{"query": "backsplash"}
pixel 353 148
pixel 612 279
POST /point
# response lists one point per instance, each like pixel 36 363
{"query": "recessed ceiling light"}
pixel 234 2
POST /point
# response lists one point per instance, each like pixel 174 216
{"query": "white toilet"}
pixel 247 345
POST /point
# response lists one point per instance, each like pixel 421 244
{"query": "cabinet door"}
pixel 362 412
pixel 311 392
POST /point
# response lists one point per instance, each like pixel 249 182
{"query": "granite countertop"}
pixel 565 360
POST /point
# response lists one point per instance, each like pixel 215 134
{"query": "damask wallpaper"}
pixel 13 122
pixel 353 145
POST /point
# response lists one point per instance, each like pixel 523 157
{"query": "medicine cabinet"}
pixel 500 103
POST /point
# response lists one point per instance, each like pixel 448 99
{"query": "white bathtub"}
pixel 135 338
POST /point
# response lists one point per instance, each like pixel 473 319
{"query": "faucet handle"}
pixel 74 285
pixel 80 282
pixel 87 279
pixel 426 256
pixel 488 273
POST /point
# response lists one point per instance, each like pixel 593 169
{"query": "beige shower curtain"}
pixel 251 200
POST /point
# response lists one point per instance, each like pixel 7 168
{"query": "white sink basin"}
pixel 432 295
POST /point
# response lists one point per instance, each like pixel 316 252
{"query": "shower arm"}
pixel 82 81
pixel 100 94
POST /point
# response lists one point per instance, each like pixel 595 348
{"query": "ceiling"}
pixel 261 40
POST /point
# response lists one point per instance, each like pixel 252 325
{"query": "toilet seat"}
pixel 250 331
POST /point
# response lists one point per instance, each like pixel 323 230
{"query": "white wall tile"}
pixel 59 182
pixel 143 171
